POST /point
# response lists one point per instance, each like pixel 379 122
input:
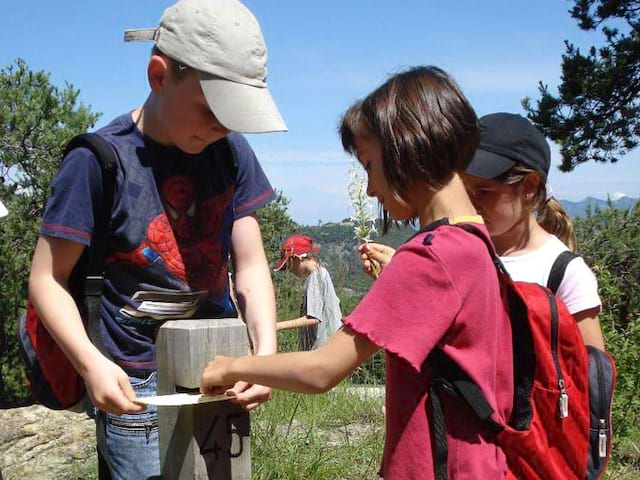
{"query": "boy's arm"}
pixel 304 321
pixel 107 384
pixel 256 298
pixel 314 371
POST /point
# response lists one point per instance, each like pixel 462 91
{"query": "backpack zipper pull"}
pixel 602 438
pixel 564 400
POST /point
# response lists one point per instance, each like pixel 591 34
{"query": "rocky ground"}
pixel 40 444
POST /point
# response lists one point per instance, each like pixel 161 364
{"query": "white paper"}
pixel 180 399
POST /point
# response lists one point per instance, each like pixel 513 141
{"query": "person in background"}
pixel 320 315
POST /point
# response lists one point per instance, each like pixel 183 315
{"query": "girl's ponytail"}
pixel 549 213
pixel 552 217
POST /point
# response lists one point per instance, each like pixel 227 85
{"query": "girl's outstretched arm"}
pixel 316 371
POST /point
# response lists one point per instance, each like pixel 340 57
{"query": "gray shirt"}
pixel 319 301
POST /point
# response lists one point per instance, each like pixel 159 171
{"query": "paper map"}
pixel 180 399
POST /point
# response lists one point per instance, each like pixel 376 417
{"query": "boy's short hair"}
pixel 222 41
pixel 426 127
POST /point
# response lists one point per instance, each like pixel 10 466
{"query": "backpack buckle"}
pixel 93 285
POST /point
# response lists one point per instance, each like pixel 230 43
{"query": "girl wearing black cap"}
pixel 507 180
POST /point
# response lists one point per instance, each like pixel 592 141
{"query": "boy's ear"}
pixel 158 72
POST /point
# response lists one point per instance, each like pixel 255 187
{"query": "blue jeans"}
pixel 128 443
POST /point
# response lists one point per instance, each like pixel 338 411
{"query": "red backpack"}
pixel 53 381
pixel 560 425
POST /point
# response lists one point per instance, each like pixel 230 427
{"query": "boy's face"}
pixel 369 153
pixel 188 122
pixel 500 204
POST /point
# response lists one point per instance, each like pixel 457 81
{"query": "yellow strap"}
pixel 466 219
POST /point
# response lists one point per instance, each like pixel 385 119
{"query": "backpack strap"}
pixel 558 268
pixel 93 282
pixel 449 378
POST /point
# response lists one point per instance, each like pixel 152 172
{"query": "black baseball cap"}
pixel 507 140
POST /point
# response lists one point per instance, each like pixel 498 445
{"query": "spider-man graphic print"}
pixel 186 238
pixel 171 225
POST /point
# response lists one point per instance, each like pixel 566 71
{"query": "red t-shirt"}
pixel 440 289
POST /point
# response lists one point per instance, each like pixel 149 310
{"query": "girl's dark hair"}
pixel 549 213
pixel 425 125
pixel 178 70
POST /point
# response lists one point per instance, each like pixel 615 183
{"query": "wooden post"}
pixel 211 440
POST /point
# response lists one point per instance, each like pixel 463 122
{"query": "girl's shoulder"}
pixel 450 246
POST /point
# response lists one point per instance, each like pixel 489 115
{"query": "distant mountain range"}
pixel 339 245
pixel 579 209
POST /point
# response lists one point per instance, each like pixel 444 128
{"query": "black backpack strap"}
pixel 93 283
pixel 558 268
pixel 449 378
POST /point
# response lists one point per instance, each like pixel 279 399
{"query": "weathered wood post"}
pixel 210 440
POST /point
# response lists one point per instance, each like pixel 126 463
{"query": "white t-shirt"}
pixel 579 287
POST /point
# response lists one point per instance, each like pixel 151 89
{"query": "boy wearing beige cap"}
pixel 187 189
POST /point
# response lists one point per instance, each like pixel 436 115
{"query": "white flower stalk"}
pixel 364 217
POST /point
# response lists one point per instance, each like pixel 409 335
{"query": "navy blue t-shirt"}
pixel 170 231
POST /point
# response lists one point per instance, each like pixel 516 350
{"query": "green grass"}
pixel 337 435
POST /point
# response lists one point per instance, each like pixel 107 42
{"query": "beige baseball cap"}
pixel 222 40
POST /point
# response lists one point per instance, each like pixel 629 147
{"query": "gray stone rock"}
pixel 41 444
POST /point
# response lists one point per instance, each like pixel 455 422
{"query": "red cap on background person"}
pixel 295 246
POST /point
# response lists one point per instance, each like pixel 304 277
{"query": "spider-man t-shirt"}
pixel 169 235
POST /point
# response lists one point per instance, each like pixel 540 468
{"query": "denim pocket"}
pixel 144 423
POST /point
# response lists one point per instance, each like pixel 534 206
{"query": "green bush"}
pixel 609 240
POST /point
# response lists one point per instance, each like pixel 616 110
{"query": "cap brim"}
pixel 280 264
pixel 3 210
pixel 487 164
pixel 241 108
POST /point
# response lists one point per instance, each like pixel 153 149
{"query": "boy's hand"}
pixel 109 388
pixel 375 257
pixel 217 379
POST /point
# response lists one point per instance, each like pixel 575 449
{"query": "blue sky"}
pixel 322 57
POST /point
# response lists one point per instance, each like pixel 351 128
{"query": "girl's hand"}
pixel 249 396
pixel 215 378
pixel 375 256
